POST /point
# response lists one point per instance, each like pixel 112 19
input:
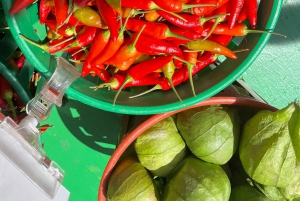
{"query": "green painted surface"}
pixel 84 137
pixel 81 143
pixel 275 73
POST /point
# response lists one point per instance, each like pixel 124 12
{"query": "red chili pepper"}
pixel 175 5
pixel 235 9
pixel 126 55
pixel 211 46
pixel 51 46
pixel 222 39
pixel 20 61
pixel 44 11
pixel 63 30
pixel 178 63
pixel 154 46
pixel 238 30
pixel 252 6
pixel 191 21
pixel 81 3
pixel 102 73
pixel 142 69
pixel 77 55
pixel 61 11
pixel 177 78
pixel 202 11
pixel 98 45
pixel 186 32
pixel 110 17
pixel 6 92
pixel 19 5
pixel 153 29
pixel 111 48
pixel 243 14
pixel 83 39
pixel 141 4
pixel 182 74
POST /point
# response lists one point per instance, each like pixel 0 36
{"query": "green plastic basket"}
pixel 18 80
pixel 207 84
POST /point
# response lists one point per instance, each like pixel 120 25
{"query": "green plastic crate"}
pixel 207 84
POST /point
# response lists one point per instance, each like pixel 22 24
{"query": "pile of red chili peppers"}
pixel 160 43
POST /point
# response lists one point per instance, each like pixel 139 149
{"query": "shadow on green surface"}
pixel 95 128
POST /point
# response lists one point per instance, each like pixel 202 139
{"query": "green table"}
pixel 84 138
pixel 275 73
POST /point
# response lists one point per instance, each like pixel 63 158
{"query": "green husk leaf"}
pixel 291 192
pixel 211 133
pixel 116 5
pixel 247 193
pixel 266 149
pixel 131 181
pixel 195 179
pixel 160 148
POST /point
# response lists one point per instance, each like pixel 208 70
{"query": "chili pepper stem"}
pixel 172 13
pixel 156 87
pixel 205 19
pixel 42 46
pixel 62 42
pixel 242 50
pixel 127 80
pixel 171 34
pixel 217 21
pixel 111 84
pixel 187 6
pixel 267 32
pixel 4 28
pixel 175 91
pixel 184 61
pixel 132 46
pixel 190 67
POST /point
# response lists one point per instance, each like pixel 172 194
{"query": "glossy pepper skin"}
pixel 98 45
pixel 211 46
pixel 19 5
pixel 154 46
pixel 61 8
pixel 83 39
pixel 201 11
pixel 127 54
pixel 89 17
pixel 110 17
pixel 252 6
pixel 64 30
pixel 142 4
pixel 44 11
pixel 154 29
pixel 235 9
